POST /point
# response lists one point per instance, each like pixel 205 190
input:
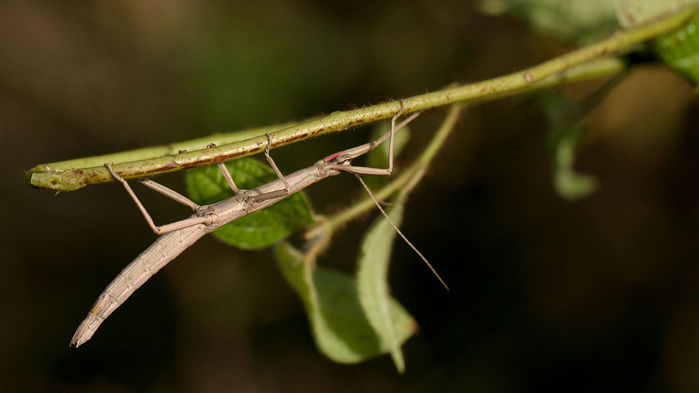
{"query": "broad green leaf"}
pixel 372 280
pixel 577 21
pixel 340 328
pixel 258 230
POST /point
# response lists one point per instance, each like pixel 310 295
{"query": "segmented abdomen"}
pixel 154 258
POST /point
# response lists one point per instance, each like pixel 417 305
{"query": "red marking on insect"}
pixel 333 156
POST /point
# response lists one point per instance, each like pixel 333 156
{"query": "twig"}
pixel 584 63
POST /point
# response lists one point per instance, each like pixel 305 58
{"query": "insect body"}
pixel 178 236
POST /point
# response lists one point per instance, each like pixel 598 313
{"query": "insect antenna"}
pixel 376 201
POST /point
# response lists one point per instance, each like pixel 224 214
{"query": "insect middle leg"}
pixel 278 193
pixel 229 179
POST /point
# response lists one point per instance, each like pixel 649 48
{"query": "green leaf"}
pixel 340 328
pixel 258 230
pixel 576 21
pixel 680 49
pixel 372 280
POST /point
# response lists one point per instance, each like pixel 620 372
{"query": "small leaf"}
pixel 568 183
pixel 340 328
pixel 258 230
pixel 566 132
pixel 372 280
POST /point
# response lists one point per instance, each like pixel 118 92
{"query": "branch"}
pixel 585 63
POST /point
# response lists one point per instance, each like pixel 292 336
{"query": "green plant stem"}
pixel 571 67
pixel 74 174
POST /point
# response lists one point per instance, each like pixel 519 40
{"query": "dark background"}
pixel 547 295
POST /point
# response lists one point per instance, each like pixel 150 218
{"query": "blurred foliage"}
pixel 581 21
pixel 568 183
pixel 631 13
pixel 577 21
pixel 680 49
pixel 567 130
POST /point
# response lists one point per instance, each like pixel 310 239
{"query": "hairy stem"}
pixel 585 63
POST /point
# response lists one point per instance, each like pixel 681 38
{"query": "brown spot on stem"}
pixel 355 122
pixel 295 138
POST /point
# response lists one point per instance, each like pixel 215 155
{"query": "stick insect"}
pixel 178 236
